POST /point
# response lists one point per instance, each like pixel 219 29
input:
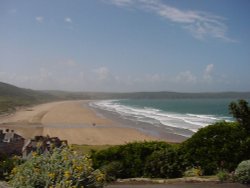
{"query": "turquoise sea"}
pixel 188 114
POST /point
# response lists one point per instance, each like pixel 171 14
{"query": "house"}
pixel 14 144
pixel 11 143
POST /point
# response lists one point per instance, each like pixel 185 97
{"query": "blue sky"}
pixel 126 45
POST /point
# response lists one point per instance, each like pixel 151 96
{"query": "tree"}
pixel 221 145
pixel 241 111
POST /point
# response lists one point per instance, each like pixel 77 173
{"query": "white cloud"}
pixel 102 73
pixel 207 76
pixel 120 2
pixel 186 77
pixel 39 19
pixel 209 68
pixel 200 24
pixel 68 20
pixel 154 78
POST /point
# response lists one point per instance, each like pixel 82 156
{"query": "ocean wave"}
pixel 192 122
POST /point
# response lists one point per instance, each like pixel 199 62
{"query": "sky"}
pixel 126 45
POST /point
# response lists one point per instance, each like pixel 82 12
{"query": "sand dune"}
pixel 70 120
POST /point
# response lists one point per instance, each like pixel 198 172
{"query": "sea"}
pixel 186 114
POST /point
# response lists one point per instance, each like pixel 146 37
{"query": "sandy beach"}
pixel 73 121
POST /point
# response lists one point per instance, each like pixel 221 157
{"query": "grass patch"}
pixel 86 149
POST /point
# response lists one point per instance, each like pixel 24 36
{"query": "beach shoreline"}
pixel 159 131
pixel 79 123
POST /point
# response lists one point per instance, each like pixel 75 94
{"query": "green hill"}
pixel 12 97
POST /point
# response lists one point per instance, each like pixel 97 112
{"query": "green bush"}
pixel 7 164
pixel 112 170
pixel 242 172
pixel 164 164
pixel 131 157
pixel 245 148
pixel 61 168
pixel 222 145
pixel 223 175
pixel 193 172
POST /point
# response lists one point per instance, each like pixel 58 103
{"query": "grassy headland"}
pixel 12 97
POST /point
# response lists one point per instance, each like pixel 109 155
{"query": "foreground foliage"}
pixel 165 163
pixel 61 168
pixel 7 164
pixel 193 172
pixel 241 111
pixel 148 159
pixel 218 146
pixel 223 175
pixel 242 172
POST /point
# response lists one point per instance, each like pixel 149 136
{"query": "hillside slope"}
pixel 12 97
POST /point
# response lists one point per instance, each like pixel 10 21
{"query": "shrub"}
pixel 61 168
pixel 223 175
pixel 246 148
pixel 132 157
pixel 193 172
pixel 221 145
pixel 7 164
pixel 242 172
pixel 164 164
pixel 112 170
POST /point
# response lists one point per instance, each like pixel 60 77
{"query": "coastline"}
pixel 79 123
pixel 159 131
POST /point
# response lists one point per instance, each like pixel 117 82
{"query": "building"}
pixel 11 143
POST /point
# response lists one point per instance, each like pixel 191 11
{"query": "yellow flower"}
pixel 68 182
pixel 99 179
pixel 34 154
pixel 79 168
pixel 51 175
pixel 67 174
pixel 39 144
pixel 14 170
pixel 65 158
